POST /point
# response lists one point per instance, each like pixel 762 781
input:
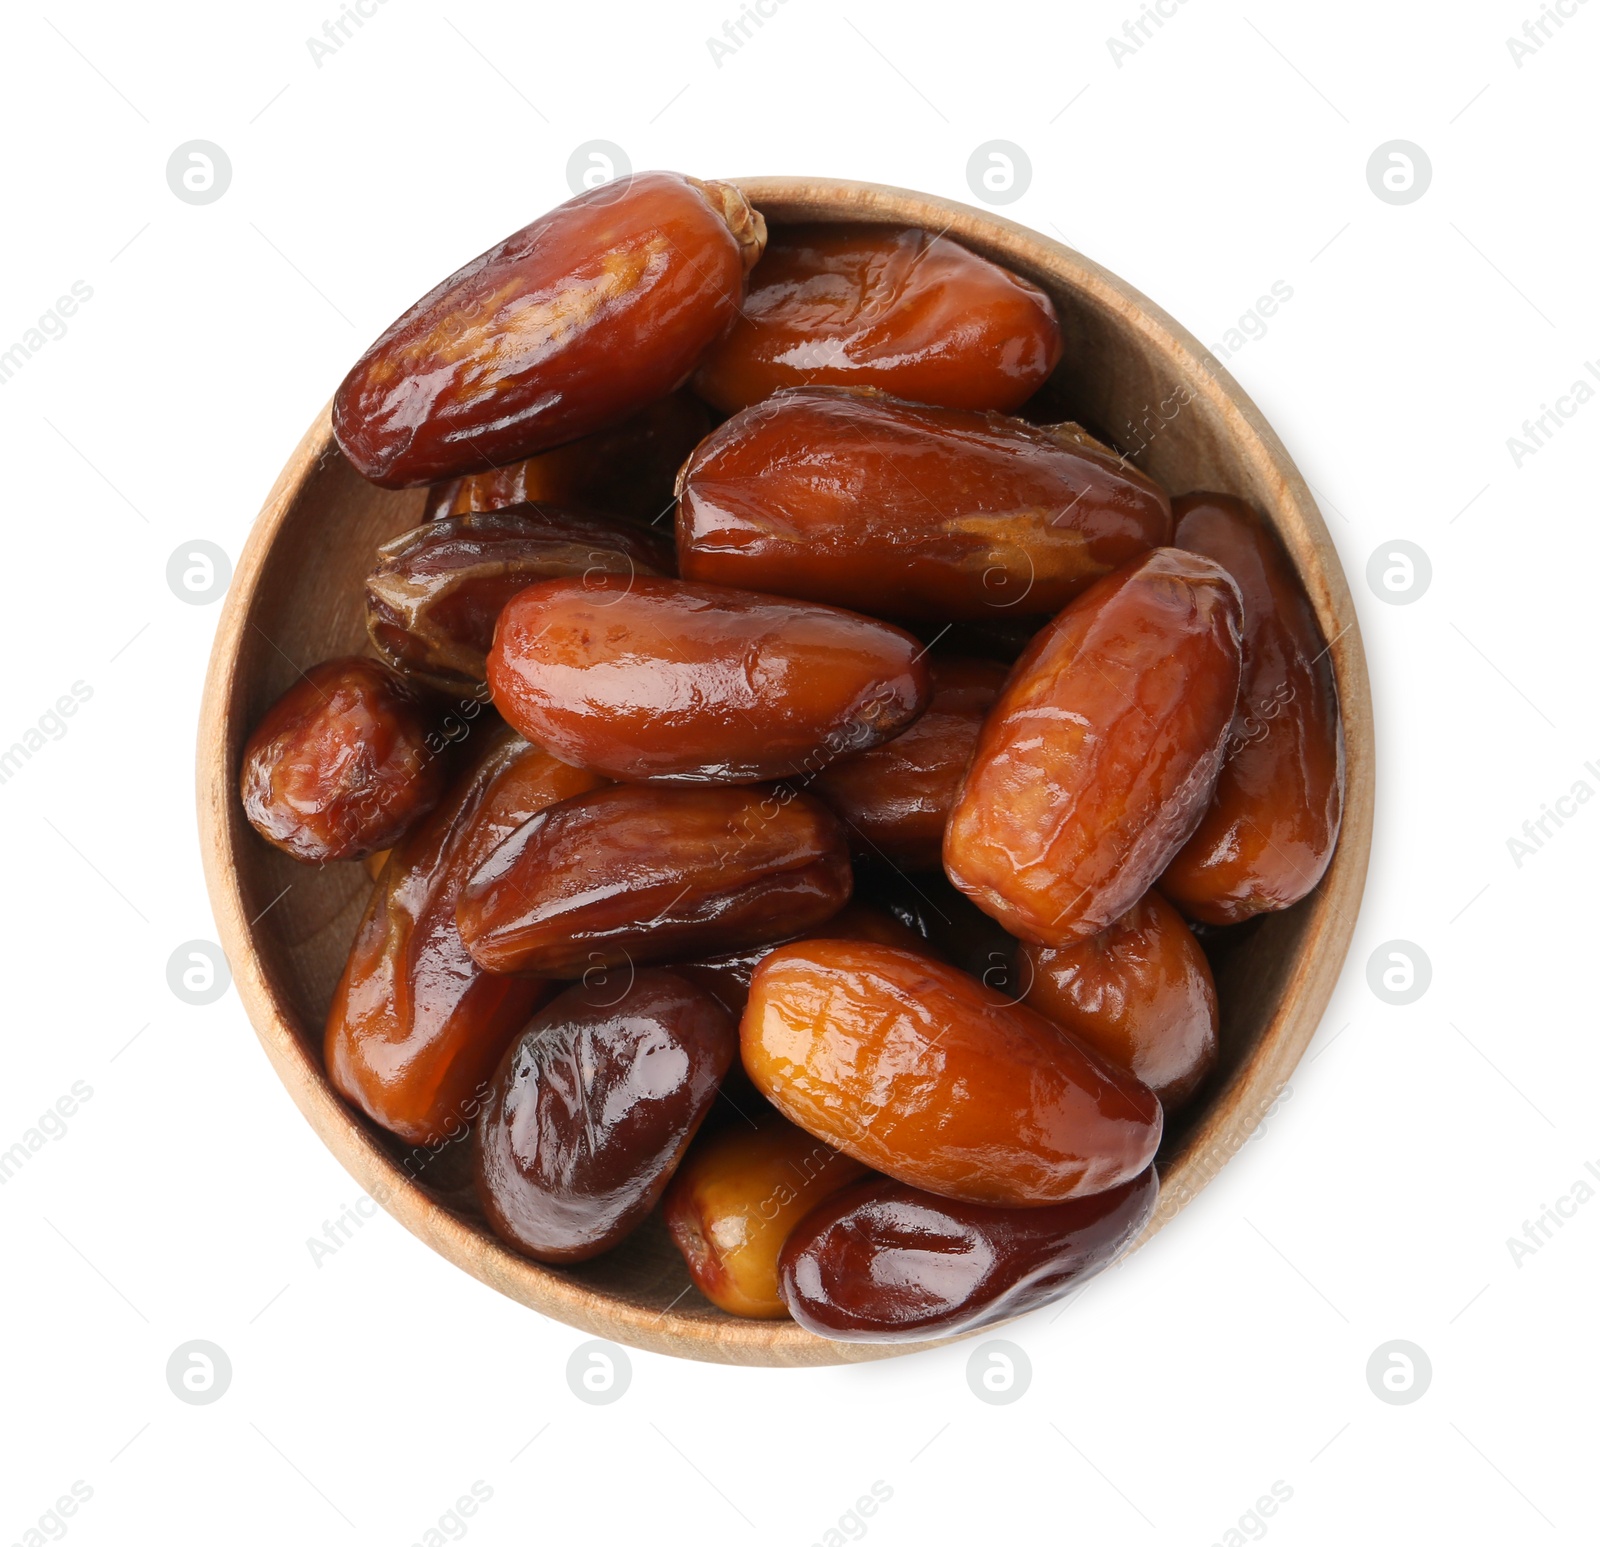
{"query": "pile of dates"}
pixel 824 877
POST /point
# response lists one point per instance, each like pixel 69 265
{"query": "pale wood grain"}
pixel 296 599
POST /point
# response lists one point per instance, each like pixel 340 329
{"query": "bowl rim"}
pixel 1232 1114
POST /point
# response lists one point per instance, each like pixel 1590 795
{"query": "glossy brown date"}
pixel 895 799
pixel 436 591
pixel 593 1107
pixel 1100 756
pixel 881 1262
pixel 1272 825
pixel 921 1072
pixel 416 1026
pixel 734 1201
pixel 728 976
pixel 571 325
pixel 903 511
pixel 343 764
pixel 636 874
pixel 625 471
pixel 644 679
pixel 1140 993
pixel 904 310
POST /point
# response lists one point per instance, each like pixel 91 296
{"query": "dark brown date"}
pixel 636 874
pixel 436 591
pixel 904 511
pixel 1100 756
pixel 1139 993
pixel 416 1026
pixel 572 324
pixel 343 764
pixel 1272 825
pixel 881 1262
pixel 593 1107
pixel 905 310
pixel 895 799
pixel 644 679
pixel 625 471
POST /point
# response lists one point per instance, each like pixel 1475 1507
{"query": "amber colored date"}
pixel 904 310
pixel 1100 756
pixel 626 471
pixel 1140 993
pixel 1272 825
pixel 644 679
pixel 904 511
pixel 436 591
pixel 571 325
pixel 416 1026
pixel 882 1262
pixel 593 1107
pixel 728 977
pixel 637 874
pixel 734 1201
pixel 921 1072
pixel 895 799
pixel 343 764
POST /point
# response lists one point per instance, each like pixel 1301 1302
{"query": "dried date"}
pixel 343 764
pixel 881 1262
pixel 1272 825
pixel 897 308
pixel 571 325
pixel 921 1072
pixel 1140 993
pixel 1100 756
pixel 860 500
pixel 644 679
pixel 593 1107
pixel 638 874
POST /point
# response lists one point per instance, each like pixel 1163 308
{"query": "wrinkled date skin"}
pixel 593 1107
pixel 922 1073
pixel 416 1026
pixel 882 1262
pixel 436 591
pixel 896 798
pixel 1274 820
pixel 635 874
pixel 644 679
pixel 1140 993
pixel 728 977
pixel 343 764
pixel 734 1201
pixel 863 501
pixel 1100 756
pixel 571 325
pixel 625 471
pixel 900 309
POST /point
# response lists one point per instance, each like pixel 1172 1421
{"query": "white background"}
pixel 1229 152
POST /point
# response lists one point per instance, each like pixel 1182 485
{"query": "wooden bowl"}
pixel 1128 371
